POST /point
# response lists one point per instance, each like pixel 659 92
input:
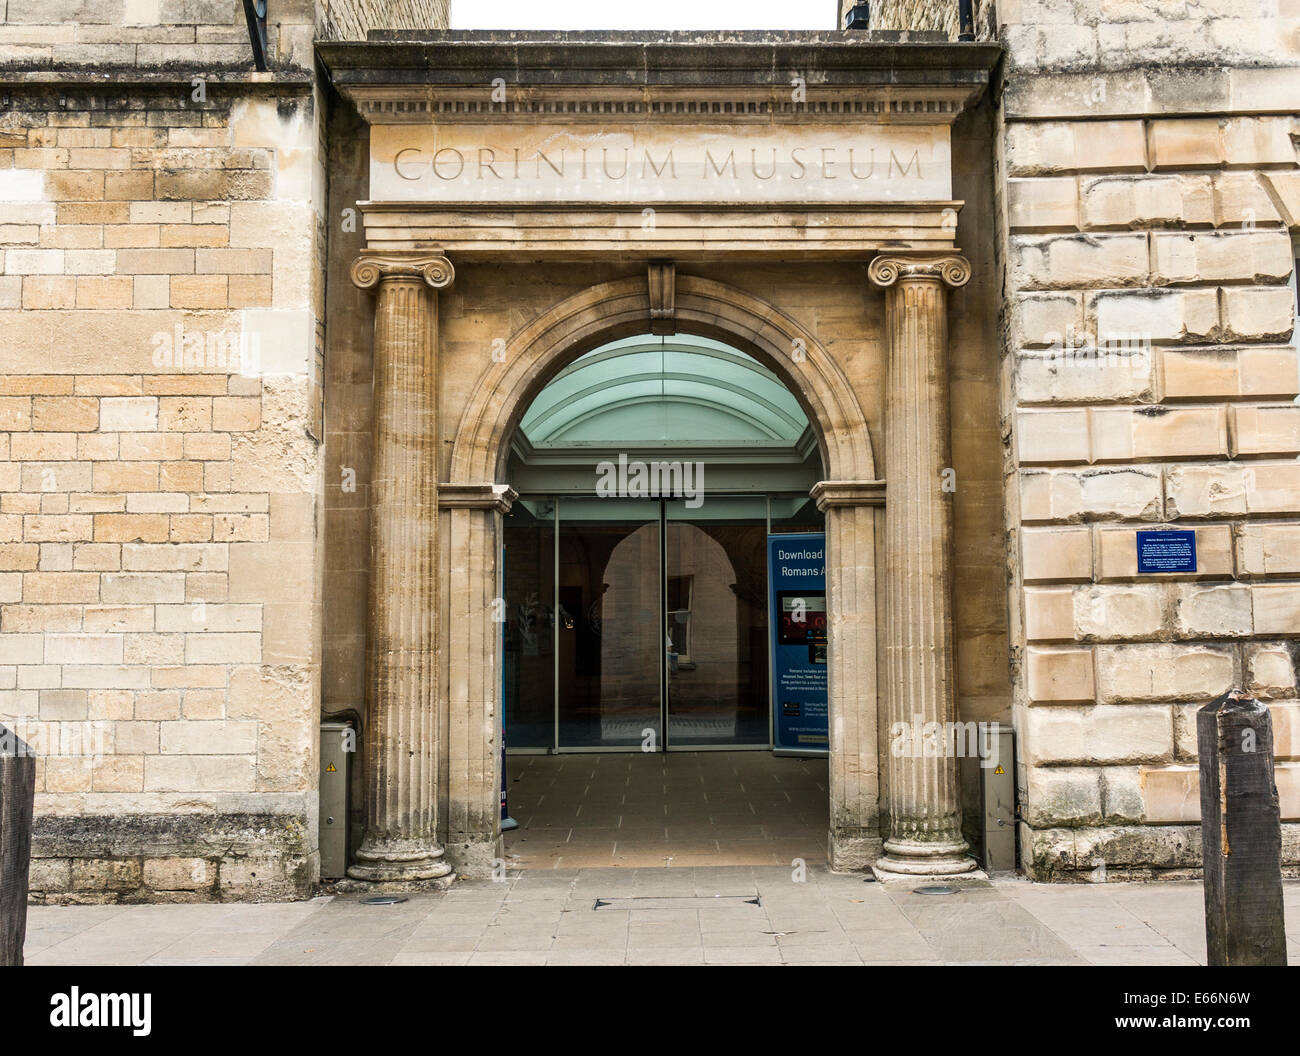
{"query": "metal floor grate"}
pixel 640 902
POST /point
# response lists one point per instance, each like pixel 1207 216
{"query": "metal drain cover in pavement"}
pixel 934 889
pixel 382 900
pixel 677 902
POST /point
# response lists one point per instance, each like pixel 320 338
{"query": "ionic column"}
pixel 401 732
pixel 922 797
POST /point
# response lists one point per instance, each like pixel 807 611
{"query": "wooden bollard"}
pixel 1241 833
pixel 17 789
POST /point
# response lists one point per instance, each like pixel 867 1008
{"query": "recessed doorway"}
pixel 637 631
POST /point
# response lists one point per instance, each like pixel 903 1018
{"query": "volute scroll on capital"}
pixel 950 268
pixel 369 269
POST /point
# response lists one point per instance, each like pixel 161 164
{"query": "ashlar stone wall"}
pixel 1149 195
pixel 159 416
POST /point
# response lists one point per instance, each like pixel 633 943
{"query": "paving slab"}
pixel 697 915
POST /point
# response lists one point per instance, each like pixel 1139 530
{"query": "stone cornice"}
pixel 889 267
pixel 371 268
pixel 499 497
pixel 832 494
pixel 660 77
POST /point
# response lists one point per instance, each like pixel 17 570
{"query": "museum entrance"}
pixel 637 676
pixel 833 274
pixel 636 558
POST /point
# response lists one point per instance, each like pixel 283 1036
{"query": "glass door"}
pixel 529 634
pixel 715 620
pixel 640 624
pixel 608 651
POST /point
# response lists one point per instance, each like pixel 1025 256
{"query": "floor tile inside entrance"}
pixel 668 809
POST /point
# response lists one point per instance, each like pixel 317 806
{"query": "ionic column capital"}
pixel 370 269
pixel 952 269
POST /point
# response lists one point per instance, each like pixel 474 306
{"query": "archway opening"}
pixel 645 719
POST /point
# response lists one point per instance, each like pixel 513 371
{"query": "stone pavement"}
pixel 701 915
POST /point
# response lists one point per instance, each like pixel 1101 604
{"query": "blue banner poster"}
pixel 796 585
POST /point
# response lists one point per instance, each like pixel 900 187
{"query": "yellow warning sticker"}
pixel 331 769
pixel 999 770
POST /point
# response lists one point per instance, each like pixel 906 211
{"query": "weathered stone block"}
pixel 1136 201
pixel 1221 256
pixel 1063 795
pixel 1162 672
pixel 179 874
pixel 106 874
pixel 1043 148
pixel 129 414
pixel 1043 320
pixel 1043 204
pixel 1212 610
pixel 1268 549
pixel 1059 674
pixel 1049 614
pixel 1276 608
pixel 1121 434
pixel 1103 613
pixel 1143 316
pixel 1121 794
pixel 1264 430
pixel 1053 436
pixel 1129 733
pixel 1271 672
pixel 1171 793
pixel 1056 554
pixel 1079 261
pixel 1258 313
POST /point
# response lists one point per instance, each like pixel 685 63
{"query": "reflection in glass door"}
pixel 716 623
pixel 626 616
pixel 609 654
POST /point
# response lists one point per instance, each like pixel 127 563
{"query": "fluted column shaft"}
pixel 853 512
pixel 923 800
pixel 400 740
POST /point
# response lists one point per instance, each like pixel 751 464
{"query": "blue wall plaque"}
pixel 1166 551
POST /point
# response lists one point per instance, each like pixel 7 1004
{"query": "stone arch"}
pixel 705 307
pixel 474 496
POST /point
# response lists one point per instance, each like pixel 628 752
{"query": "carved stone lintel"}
pixel 663 297
pixel 829 494
pixel 950 268
pixel 369 269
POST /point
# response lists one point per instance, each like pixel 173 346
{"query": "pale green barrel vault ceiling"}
pixel 675 391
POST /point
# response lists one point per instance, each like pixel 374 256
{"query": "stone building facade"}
pixel 261 364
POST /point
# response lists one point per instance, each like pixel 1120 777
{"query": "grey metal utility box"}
pixel 998 797
pixel 336 738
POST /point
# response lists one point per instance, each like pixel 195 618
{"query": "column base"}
pixel 399 861
pixel 909 859
pixel 852 854
pixel 476 857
